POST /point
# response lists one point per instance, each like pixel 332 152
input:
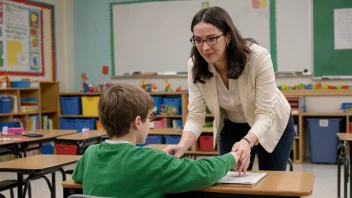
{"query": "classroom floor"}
pixel 324 187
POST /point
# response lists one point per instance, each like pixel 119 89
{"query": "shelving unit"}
pixel 301 116
pixel 46 94
pixel 194 150
pixel 296 99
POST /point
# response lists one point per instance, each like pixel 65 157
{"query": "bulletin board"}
pixel 27 40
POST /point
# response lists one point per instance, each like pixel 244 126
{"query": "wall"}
pixel 92 38
pixel 64 42
pixel 92 50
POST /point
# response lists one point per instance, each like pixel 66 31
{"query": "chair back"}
pixel 85 196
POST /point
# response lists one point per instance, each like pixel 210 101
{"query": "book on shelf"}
pixel 33 122
pixel 47 123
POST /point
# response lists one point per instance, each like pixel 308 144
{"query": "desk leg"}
pixel 19 185
pixel 339 160
pixel 53 185
pixel 346 172
pixel 350 167
pixel 80 148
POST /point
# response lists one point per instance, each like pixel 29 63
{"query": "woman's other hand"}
pixel 176 150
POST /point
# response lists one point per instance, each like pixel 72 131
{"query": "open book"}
pixel 250 179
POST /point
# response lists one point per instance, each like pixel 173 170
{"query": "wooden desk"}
pixel 82 139
pixel 83 136
pixel 344 139
pixel 46 134
pixel 38 166
pixel 277 184
pixel 188 153
pixel 344 136
pixel 18 143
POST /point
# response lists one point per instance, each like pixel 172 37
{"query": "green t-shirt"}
pixel 125 170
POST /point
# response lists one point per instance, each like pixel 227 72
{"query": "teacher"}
pixel 234 77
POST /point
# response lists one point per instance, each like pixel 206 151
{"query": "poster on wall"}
pixel 22 38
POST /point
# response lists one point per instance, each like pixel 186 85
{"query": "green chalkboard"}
pixel 329 61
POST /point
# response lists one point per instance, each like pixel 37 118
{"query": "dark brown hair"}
pixel 119 105
pixel 237 51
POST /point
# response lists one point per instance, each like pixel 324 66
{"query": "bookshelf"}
pixel 35 108
pixel 296 99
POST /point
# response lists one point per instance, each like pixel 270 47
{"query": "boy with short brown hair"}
pixel 118 168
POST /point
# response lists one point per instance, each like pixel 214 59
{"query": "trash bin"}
pixel 323 141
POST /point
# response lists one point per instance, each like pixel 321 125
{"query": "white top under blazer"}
pixel 265 108
pixel 229 99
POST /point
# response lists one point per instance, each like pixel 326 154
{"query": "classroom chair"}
pixel 290 163
pixel 84 196
pixel 10 184
pixel 343 159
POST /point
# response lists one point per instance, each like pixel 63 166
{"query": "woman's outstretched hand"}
pixel 243 149
pixel 176 150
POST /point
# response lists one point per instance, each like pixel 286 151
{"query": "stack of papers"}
pixel 250 179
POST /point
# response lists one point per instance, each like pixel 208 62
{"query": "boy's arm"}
pixel 78 172
pixel 180 175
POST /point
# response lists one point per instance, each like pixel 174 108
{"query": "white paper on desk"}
pixel 249 178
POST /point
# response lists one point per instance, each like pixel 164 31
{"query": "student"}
pixel 234 77
pixel 119 168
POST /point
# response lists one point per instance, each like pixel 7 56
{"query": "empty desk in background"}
pixel 277 184
pixel 344 138
pixel 38 166
pixel 188 153
pixel 156 146
pixel 15 144
pixel 82 139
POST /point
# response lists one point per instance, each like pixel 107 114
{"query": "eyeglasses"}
pixel 210 41
pixel 151 119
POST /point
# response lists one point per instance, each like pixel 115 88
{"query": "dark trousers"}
pixel 277 160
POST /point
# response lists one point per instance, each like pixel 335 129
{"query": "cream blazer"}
pixel 266 109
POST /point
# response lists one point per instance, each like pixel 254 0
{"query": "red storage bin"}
pixel 350 127
pixel 206 143
pixel 66 149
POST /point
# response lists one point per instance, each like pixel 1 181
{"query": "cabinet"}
pixel 34 108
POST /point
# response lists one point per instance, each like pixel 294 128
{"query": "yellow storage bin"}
pixel 90 105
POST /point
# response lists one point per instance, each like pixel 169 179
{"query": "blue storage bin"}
pixel 158 101
pixel 6 104
pixel 67 123
pixel 173 102
pixel 71 105
pixel 323 141
pixel 47 149
pixel 172 139
pixel 10 124
pixel 20 84
pixel 85 123
pixel 153 139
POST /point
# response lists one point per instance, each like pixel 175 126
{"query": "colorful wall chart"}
pixel 26 32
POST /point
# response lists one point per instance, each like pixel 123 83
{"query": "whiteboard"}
pixel 154 36
pixel 294 35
